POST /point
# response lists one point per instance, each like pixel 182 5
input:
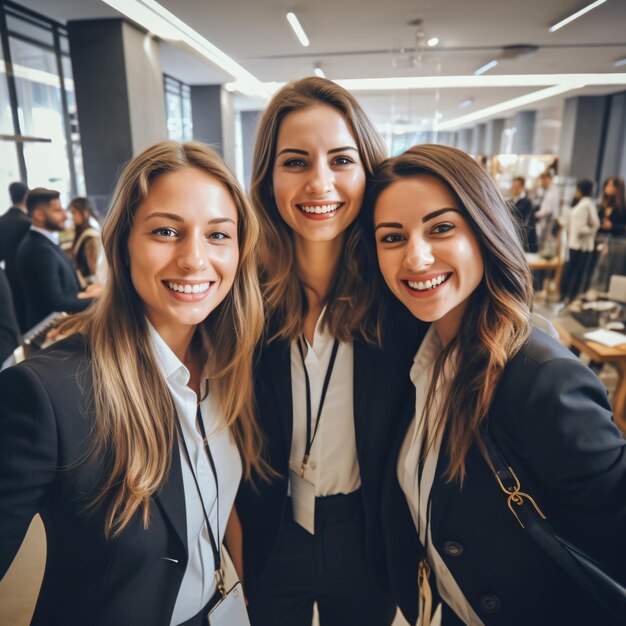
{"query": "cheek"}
pixel 354 186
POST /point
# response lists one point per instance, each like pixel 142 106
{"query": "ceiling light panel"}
pixel 576 15
pixel 486 67
pixel 294 22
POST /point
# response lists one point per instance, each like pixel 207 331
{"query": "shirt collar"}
pixel 168 363
pixel 49 234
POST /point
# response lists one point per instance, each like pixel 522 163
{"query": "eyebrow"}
pixel 426 218
pixel 305 153
pixel 178 218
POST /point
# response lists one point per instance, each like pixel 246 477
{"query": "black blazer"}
pixel 551 419
pixel 14 225
pixel 380 390
pixel 9 333
pixel 48 279
pixel 46 416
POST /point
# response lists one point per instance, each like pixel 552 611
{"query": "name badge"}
pixel 230 610
pixel 303 500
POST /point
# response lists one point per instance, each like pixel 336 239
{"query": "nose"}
pixel 193 253
pixel 321 180
pixel 419 254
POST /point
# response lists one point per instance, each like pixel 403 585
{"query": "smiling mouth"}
pixel 427 285
pixel 320 209
pixel 187 287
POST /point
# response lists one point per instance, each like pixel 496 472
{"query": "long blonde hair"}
pixel 351 295
pixel 134 414
pixel 497 318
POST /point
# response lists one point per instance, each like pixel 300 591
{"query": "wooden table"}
pixel 555 264
pixel 571 331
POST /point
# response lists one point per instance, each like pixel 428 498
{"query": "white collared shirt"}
pixel 333 466
pixel 53 236
pixel 198 584
pixel 418 492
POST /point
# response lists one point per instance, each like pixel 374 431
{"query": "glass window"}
pixel 31 30
pixel 178 109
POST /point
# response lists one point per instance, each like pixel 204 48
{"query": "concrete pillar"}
pixel 614 149
pixel 249 125
pixel 119 97
pixel 493 136
pixel 478 146
pixel 464 139
pixel 583 136
pixel 524 124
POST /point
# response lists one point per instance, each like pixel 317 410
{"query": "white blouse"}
pixel 417 492
pixel 198 584
pixel 333 466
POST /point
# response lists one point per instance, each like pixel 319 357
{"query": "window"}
pixel 177 109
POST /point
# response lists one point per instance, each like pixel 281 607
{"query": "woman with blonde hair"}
pixel 506 426
pixel 325 391
pixel 129 438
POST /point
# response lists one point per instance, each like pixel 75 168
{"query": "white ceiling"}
pixel 373 39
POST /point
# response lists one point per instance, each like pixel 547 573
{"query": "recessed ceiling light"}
pixel 486 67
pixel 432 42
pixel 465 103
pixel 297 28
pixel 319 71
pixel 620 62
pixel 576 15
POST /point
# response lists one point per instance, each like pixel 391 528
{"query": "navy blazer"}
pixel 551 420
pixel 46 418
pixel 48 279
pixel 381 387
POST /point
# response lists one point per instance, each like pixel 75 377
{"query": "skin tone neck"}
pixel 317 264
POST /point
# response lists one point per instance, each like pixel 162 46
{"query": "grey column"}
pixel 614 149
pixel 582 136
pixel 249 125
pixel 523 139
pixel 464 139
pixel 493 136
pixel 119 96
pixel 478 144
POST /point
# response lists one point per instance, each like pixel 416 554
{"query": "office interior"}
pixel 87 84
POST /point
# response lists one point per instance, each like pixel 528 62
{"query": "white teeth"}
pixel 197 288
pixel 429 284
pixel 320 209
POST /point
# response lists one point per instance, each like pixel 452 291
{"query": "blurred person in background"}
pixel 14 225
pixel 87 246
pixel 9 332
pixel 549 209
pixel 526 212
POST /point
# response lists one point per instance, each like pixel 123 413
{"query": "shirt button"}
pixel 312 465
pixel 489 603
pixel 453 548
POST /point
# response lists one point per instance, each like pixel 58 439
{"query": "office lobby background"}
pixel 87 84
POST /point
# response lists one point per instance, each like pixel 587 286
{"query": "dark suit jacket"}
pixel 9 333
pixel 14 225
pixel 380 390
pixel 551 420
pixel 46 416
pixel 526 212
pixel 48 279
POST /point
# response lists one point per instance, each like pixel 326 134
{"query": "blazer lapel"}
pixel 171 497
pixel 279 364
pixel 364 369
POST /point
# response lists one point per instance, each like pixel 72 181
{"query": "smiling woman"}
pixel 130 437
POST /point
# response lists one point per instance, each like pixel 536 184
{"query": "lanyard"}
pixel 217 557
pixel 329 371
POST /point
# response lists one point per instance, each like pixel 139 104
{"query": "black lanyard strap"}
pixel 217 557
pixel 329 372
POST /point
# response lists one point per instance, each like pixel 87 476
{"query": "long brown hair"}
pixel 134 413
pixel 496 322
pixel 351 296
pixel 618 200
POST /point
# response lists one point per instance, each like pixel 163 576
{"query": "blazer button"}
pixel 453 548
pixel 489 603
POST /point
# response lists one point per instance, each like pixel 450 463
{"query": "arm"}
pixel 28 456
pixel 233 538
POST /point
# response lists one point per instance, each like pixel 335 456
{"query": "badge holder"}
pixel 231 608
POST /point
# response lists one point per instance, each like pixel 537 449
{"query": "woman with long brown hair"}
pixel 129 438
pixel 325 391
pixel 488 386
pixel 87 245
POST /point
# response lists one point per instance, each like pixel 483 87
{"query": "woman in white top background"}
pixel 313 534
pixel 102 434
pixel 449 251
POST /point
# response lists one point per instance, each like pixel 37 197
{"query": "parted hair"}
pixel 134 414
pixel 497 319
pixel 351 296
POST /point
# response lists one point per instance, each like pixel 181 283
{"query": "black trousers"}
pixel 576 274
pixel 329 568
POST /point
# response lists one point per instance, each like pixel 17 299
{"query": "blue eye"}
pixel 164 232
pixel 219 236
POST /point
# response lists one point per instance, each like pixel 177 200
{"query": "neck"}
pixel 317 263
pixel 180 343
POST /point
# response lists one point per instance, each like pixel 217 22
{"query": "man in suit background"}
pixel 526 212
pixel 14 225
pixel 47 276
pixel 9 333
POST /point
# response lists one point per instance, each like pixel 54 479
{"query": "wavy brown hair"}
pixel 497 319
pixel 351 295
pixel 134 426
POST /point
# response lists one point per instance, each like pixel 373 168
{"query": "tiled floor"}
pixel 19 588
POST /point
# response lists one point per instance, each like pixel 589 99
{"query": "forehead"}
pixel 416 195
pixel 317 124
